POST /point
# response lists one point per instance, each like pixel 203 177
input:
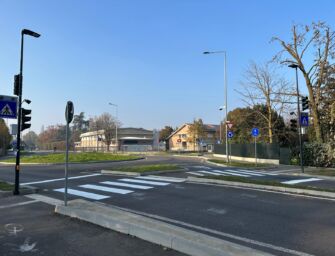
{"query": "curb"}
pixel 312 175
pixel 154 231
pixel 299 191
pixel 140 173
pixel 247 168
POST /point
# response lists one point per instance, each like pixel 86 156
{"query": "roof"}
pixel 121 131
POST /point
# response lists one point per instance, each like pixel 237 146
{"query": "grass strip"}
pixel 81 157
pixel 265 182
pixel 238 164
pixel 4 186
pixel 148 168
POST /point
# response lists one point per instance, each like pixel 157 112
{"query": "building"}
pixel 128 139
pixel 182 140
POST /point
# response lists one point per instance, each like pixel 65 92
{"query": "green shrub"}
pixel 319 154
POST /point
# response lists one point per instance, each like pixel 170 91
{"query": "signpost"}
pixel 255 133
pixel 230 135
pixel 69 111
pixel 8 107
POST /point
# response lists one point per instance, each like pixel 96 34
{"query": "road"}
pixel 269 221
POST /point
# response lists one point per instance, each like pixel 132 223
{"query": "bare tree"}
pixel 317 40
pixel 107 123
pixel 262 86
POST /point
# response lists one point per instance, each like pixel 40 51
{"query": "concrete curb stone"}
pixel 158 232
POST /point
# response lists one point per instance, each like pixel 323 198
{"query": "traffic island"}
pixel 241 182
pixel 141 170
pixel 154 231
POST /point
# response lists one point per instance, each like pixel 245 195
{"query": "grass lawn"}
pixel 322 171
pixel 148 168
pixel 265 182
pixel 73 157
pixel 5 186
pixel 238 164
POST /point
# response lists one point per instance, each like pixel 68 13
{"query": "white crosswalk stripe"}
pixel 168 179
pixel 107 189
pixel 121 184
pixel 196 174
pixel 211 173
pixel 246 172
pixel 231 173
pixel 145 182
pixel 82 194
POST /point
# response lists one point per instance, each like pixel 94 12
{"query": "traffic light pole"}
pixel 299 124
pixel 18 138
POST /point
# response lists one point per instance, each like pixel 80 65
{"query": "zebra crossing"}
pixel 122 186
pixel 205 170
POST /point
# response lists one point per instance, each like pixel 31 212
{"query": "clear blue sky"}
pixel 146 56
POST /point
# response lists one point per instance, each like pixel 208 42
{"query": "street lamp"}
pixel 18 140
pixel 116 140
pixel 226 94
pixel 295 66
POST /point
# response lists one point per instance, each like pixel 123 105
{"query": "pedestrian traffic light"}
pixel 25 119
pixel 17 85
pixel 293 125
pixel 304 103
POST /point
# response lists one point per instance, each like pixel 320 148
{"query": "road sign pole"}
pixel 66 163
pixel 255 151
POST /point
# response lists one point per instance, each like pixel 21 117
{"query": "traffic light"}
pixel 304 103
pixel 25 119
pixel 17 85
pixel 294 125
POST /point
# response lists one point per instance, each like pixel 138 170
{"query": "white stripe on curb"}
pixel 168 179
pixel 195 173
pixel 211 173
pixel 300 181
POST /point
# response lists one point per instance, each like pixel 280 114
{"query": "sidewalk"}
pixel 31 227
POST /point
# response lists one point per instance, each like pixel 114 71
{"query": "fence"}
pixel 267 153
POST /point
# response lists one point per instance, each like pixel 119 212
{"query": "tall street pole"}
pixel 299 116
pixel 226 95
pixel 18 137
pixel 226 102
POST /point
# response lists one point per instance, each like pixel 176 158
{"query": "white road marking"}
pixel 201 167
pixel 107 189
pixel 146 182
pixel 231 173
pixel 82 194
pixel 125 185
pixel 195 173
pixel 211 173
pixel 300 181
pixel 244 172
pixel 168 179
pixel 70 178
pixel 18 204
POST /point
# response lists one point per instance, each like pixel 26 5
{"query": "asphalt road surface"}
pixel 269 221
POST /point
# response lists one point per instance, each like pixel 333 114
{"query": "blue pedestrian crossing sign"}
pixel 230 134
pixel 255 132
pixel 304 119
pixel 8 107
